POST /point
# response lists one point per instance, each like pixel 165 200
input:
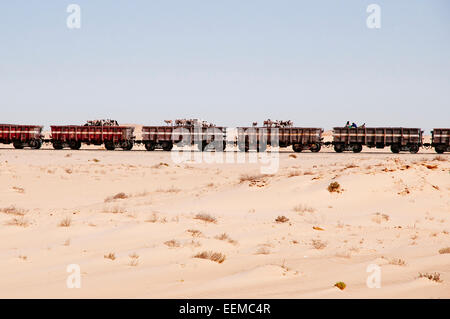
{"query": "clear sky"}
pixel 230 62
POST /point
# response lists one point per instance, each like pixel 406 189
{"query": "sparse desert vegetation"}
pixel 341 285
pixel 301 208
pixel 281 219
pixel 65 222
pixel 436 277
pixel 111 256
pixel 445 250
pixel 20 221
pixel 120 195
pixel 172 243
pixel 213 256
pixel 334 187
pixel 13 210
pixel 206 218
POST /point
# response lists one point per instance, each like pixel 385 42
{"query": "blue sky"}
pixel 229 62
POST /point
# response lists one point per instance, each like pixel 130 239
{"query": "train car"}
pixel 300 138
pixel 165 137
pixel 440 140
pixel 73 136
pixel 21 135
pixel 398 138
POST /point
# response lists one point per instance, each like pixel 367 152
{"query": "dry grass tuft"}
pixel 194 232
pixel 445 250
pixel 225 237
pixel 171 189
pixel 18 221
pixel 115 210
pixel 20 190
pixel 65 222
pixel 397 262
pixel 318 244
pixel 281 219
pixel 68 171
pixel 160 164
pixel 213 256
pixel 440 158
pixel 303 209
pixel 206 218
pixel 134 259
pixel 379 218
pixel 262 251
pixel 111 256
pixel 172 243
pixel 13 210
pixel 436 277
pixel 95 160
pixel 120 195
pixel 334 187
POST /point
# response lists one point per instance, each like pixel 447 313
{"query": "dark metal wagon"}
pixel 300 138
pixel 165 137
pixel 440 140
pixel 398 138
pixel 74 136
pixel 21 135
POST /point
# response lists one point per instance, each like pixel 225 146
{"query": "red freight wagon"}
pixel 21 135
pixel 166 136
pixel 74 135
pixel 301 138
pixel 440 140
pixel 398 138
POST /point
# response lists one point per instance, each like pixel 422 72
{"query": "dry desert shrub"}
pixel 194 232
pixel 445 250
pixel 160 164
pixel 351 165
pixel 292 156
pixel 378 218
pixel 65 222
pixel 341 285
pixel 397 262
pixel 262 251
pixel 294 173
pixel 436 277
pixel 68 171
pixel 111 256
pixel 172 243
pixel 19 189
pixel 120 195
pixel 281 219
pixel 303 209
pixel 440 158
pixel 171 189
pixel 18 221
pixel 13 210
pixel 95 160
pixel 213 256
pixel 225 237
pixel 318 244
pixel 334 187
pixel 115 210
pixel 206 218
pixel 134 259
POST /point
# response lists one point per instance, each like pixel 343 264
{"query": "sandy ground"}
pixel 58 208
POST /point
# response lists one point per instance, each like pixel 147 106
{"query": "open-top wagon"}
pixel 21 135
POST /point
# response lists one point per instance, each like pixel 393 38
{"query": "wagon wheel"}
pixel 316 148
pixel 57 145
pixel 128 146
pixel 18 145
pixel 395 148
pixel 36 144
pixel 75 145
pixel 109 145
pixel 439 149
pixel 150 146
pixel 357 148
pixel 413 149
pixel 297 148
pixel 338 148
pixel 167 146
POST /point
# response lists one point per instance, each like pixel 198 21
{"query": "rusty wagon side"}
pixel 21 135
pixel 166 137
pixel 74 136
pixel 440 140
pixel 300 138
pixel 398 138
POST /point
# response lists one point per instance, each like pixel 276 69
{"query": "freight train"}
pixel 207 136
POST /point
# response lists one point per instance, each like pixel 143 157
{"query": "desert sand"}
pixel 133 222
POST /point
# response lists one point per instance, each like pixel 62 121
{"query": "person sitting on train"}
pixel 347 125
pixel 354 125
pixel 363 126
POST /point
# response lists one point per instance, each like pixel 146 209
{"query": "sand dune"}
pixel 134 221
